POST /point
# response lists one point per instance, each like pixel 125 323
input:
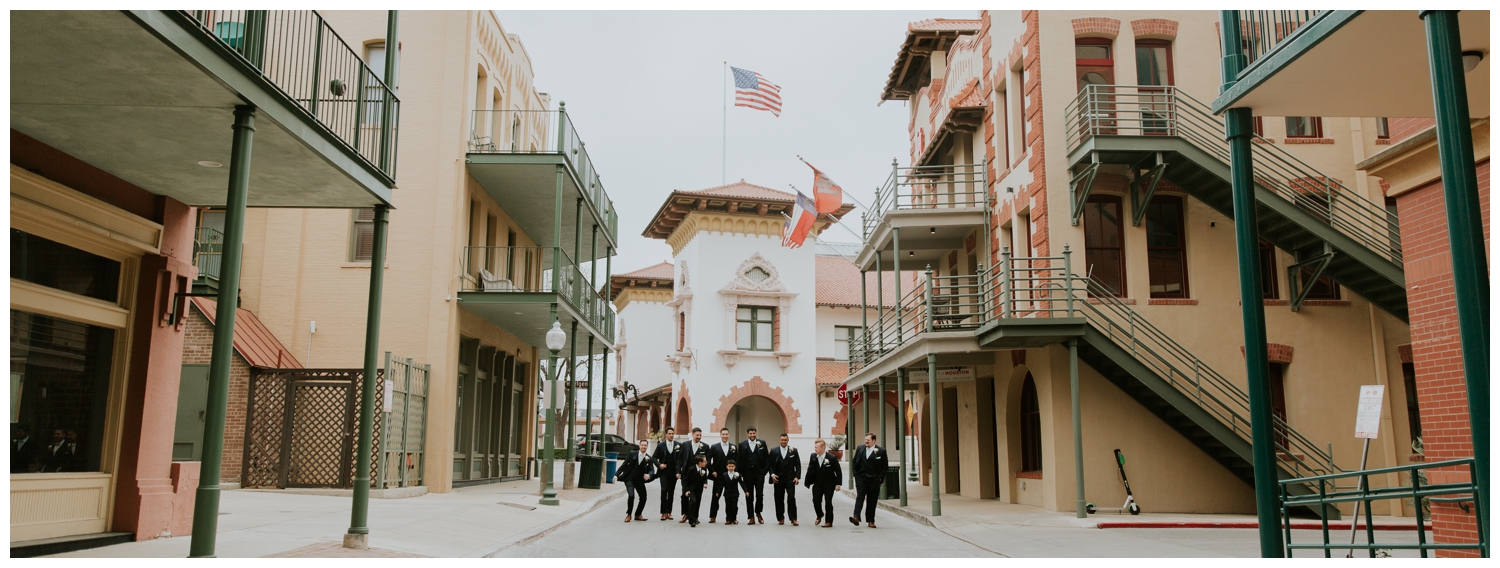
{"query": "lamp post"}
pixel 555 340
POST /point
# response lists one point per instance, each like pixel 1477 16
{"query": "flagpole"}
pixel 724 126
pixel 844 194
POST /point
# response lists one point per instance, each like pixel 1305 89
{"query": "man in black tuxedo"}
pixel 637 470
pixel 694 480
pixel 753 461
pixel 825 476
pixel 718 462
pixel 689 459
pixel 786 471
pixel 666 456
pixel 868 470
pixel 24 448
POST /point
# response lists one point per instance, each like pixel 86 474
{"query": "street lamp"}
pixel 555 340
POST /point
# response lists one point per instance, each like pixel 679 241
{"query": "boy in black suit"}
pixel 718 457
pixel 689 459
pixel 694 481
pixel 666 456
pixel 825 477
pixel 637 470
pixel 868 470
pixel 786 471
pixel 731 488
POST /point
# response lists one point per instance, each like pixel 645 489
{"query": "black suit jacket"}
pixel 786 469
pixel 633 468
pixel 752 461
pixel 869 464
pixel 689 457
pixel 667 454
pixel 732 490
pixel 691 481
pixel 718 460
pixel 825 473
pixel 21 458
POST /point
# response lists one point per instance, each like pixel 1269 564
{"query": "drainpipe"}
pixel 1081 504
pixel 932 434
pixel 206 505
pixel 1471 284
pixel 359 529
pixel 1238 130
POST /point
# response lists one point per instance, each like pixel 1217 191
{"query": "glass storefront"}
pixel 487 425
pixel 59 390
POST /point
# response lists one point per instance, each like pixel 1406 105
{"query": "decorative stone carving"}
pixel 755 275
pixel 686 357
pixel 731 356
pixel 784 359
pixel 675 364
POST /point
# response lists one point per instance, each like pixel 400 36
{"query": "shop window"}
pixel 1166 249
pixel 754 328
pixel 55 265
pixel 1104 242
pixel 59 389
pixel 1304 127
pixel 1031 427
pixel 362 235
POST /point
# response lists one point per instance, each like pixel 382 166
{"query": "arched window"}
pixel 1031 427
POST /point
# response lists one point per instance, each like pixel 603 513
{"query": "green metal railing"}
pixel 1039 287
pixel 208 250
pixel 1264 31
pixel 1330 494
pixel 935 187
pixel 299 54
pixel 529 132
pixel 1125 110
pixel 404 428
pixel 516 270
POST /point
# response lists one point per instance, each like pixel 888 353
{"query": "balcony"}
pixel 514 288
pixel 515 155
pixel 922 212
pixel 208 250
pixel 149 96
pixel 1348 63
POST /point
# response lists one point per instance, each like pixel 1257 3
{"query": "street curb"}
pixel 537 534
pixel 1248 525
pixel 917 517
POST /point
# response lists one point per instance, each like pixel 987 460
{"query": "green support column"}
pixel 572 405
pixel 549 442
pixel 359 529
pixel 387 106
pixel 880 409
pixel 1238 130
pixel 1081 503
pixel 901 429
pixel 866 413
pixel 1471 283
pixel 932 434
pixel 896 252
pixel 206 505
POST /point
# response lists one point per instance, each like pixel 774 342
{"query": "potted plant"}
pixel 836 447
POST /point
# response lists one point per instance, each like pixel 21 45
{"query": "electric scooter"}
pixel 1130 504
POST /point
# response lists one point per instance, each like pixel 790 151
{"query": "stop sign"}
pixel 844 395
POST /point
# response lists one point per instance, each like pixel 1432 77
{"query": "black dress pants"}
pixel 785 491
pixel 866 492
pixel 668 483
pixel 822 498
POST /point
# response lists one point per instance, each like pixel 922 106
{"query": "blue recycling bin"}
pixel 613 463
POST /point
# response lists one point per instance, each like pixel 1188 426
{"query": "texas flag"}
pixel 827 194
pixel 799 223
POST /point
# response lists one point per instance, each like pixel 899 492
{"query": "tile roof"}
pixel 832 372
pixel 838 283
pixel 660 271
pixel 252 339
pixel 745 190
pixel 944 24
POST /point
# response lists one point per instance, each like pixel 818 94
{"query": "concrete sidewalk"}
pixel 473 521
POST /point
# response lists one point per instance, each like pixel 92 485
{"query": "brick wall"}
pixel 197 349
pixel 1435 350
pixel 1402 128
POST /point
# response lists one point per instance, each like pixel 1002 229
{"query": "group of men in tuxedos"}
pixel 686 470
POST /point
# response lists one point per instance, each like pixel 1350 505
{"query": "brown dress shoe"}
pixel 828 524
pixel 819 521
pixel 684 519
pixel 712 520
pixel 752 521
pixel 853 521
pixel 640 518
pixel 794 523
pixel 784 522
pixel 872 525
pixel 627 518
pixel 760 518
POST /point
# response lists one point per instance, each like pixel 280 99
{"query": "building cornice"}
pixel 644 295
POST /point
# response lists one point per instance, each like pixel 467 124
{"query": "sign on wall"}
pixel 943 375
pixel 1367 422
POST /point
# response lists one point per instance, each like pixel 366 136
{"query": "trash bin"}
pixel 611 466
pixel 892 483
pixel 591 468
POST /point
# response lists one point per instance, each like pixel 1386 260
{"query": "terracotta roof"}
pixel 832 372
pixel 944 24
pixel 252 340
pixel 746 190
pixel 838 283
pixel 910 72
pixel 656 276
pixel 660 271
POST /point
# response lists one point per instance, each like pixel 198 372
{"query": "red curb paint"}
pixel 1247 525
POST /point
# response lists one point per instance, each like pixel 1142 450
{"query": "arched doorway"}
pixel 684 417
pixel 655 420
pixel 757 411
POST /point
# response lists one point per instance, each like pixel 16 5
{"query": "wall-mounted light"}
pixel 1472 59
pixel 209 164
pixel 932 230
pixel 1010 190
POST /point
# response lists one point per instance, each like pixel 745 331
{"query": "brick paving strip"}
pixel 337 550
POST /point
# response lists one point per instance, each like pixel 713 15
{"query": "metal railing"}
pixel 542 132
pixel 404 427
pixel 1264 31
pixel 301 56
pixel 1126 110
pixel 1035 287
pixel 208 251
pixel 927 187
pixel 1330 494
pixel 529 270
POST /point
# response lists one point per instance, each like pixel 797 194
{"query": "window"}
pixel 1304 127
pixel 59 388
pixel 1093 51
pixel 1031 427
pixel 362 235
pixel 1104 242
pixel 374 93
pixel 491 244
pixel 1259 129
pixel 1383 128
pixel 843 337
pixel 1004 118
pixel 754 330
pixel 1277 374
pixel 1166 251
pixel 1153 62
pixel 1413 413
pixel 1322 289
pixel 681 331
pixel 55 265
pixel 1268 271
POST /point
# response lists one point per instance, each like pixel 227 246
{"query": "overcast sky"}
pixel 646 92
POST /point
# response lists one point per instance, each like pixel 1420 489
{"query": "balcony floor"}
pixel 951 347
pixel 528 316
pixel 927 235
pixel 525 185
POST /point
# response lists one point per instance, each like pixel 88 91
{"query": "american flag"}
pixel 753 91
